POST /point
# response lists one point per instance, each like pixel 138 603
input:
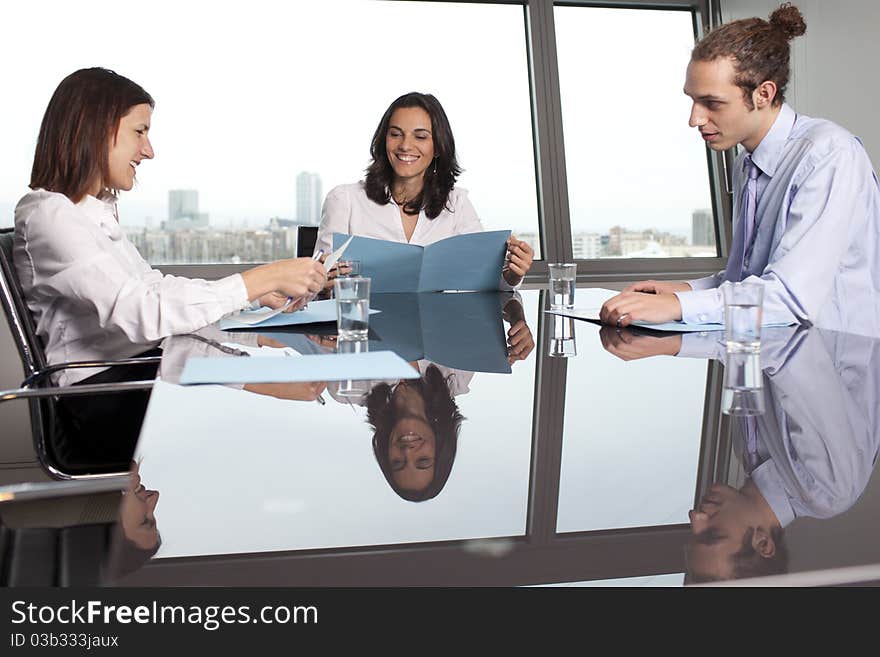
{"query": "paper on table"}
pixel 681 327
pixel 462 262
pixel 592 315
pixel 589 302
pixel 251 317
pixel 315 312
pixel 317 367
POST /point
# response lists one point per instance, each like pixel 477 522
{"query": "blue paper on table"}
pixel 681 327
pixel 318 367
pixel 462 262
pixel 315 312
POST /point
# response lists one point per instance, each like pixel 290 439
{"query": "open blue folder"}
pixel 318 367
pixel 461 262
pixel 463 330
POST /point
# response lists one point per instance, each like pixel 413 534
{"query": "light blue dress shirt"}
pixel 817 240
pixel 819 437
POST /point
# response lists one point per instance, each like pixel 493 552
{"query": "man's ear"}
pixel 764 95
pixel 763 543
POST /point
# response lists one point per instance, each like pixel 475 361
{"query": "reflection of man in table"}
pixel 811 454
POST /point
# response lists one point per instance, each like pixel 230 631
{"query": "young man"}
pixel 806 199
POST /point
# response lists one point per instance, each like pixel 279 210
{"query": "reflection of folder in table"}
pixel 462 262
pixel 463 331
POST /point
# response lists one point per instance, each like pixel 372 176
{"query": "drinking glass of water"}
pixel 743 392
pixel 348 268
pixel 562 340
pixel 562 279
pixel 352 307
pixel 742 316
pixel 351 388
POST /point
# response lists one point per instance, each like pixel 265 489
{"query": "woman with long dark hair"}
pixel 409 193
pixel 416 424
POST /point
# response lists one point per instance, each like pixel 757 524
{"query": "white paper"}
pixel 589 301
pixel 251 317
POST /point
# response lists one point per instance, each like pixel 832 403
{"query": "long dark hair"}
pixel 759 49
pixel 439 177
pixel 443 416
pixel 80 120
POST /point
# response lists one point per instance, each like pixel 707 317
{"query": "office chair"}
pixel 54 449
pixel 306 236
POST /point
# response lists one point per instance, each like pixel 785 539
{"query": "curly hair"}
pixel 439 178
pixel 759 49
pixel 443 416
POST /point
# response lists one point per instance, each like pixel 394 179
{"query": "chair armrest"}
pixel 71 391
pixel 38 376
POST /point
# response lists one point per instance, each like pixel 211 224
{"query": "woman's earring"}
pixel 435 163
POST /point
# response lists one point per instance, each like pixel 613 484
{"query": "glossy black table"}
pixel 575 469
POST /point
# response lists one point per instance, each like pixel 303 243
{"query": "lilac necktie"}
pixel 748 207
pixel 752 456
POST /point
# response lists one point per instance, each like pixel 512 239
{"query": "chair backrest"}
pixel 21 323
pixel 57 452
pixel 306 237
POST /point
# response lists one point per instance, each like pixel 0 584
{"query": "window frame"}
pixel 554 221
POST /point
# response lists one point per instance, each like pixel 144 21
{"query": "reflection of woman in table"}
pixel 138 537
pixel 416 423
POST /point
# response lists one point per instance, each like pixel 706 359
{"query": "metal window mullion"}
pixel 550 170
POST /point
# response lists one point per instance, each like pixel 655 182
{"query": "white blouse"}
pixel 348 210
pixel 91 293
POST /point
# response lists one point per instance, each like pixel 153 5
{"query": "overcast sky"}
pixel 248 95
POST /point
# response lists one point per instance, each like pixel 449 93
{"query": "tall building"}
pixel 183 203
pixel 308 198
pixel 183 211
pixel 702 228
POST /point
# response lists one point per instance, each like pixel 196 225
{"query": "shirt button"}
pixel 702 317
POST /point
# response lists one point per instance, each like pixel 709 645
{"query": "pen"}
pixel 317 256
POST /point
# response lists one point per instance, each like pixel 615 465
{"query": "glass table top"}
pixel 532 450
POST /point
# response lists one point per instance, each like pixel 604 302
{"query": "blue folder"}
pixel 462 262
pixel 462 330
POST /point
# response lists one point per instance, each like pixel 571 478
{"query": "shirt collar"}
pixel 103 212
pixel 768 153
pixel 769 482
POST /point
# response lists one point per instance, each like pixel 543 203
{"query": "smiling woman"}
pixel 92 295
pixel 409 194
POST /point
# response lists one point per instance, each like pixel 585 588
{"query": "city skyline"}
pixel 187 236
pixel 243 155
